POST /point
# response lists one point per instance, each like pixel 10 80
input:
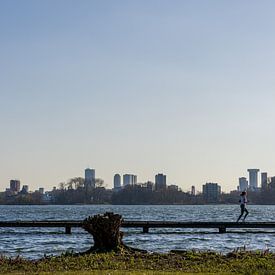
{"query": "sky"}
pixel 185 88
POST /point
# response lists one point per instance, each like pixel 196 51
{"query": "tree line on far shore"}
pixel 75 191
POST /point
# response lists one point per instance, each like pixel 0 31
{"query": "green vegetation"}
pixel 144 263
pixel 107 272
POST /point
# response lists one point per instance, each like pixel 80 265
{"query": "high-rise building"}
pixel 272 183
pixel 243 184
pixel 193 190
pixel 89 178
pixel 264 181
pixel 129 179
pixel 253 178
pixel 160 182
pixel 117 181
pixel 211 192
pixel 15 185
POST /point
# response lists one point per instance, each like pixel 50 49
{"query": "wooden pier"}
pixel 145 225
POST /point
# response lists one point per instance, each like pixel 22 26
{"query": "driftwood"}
pixel 105 229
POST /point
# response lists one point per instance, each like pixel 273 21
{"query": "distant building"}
pixel 211 192
pixel 160 182
pixel 47 197
pixel 117 182
pixel 264 180
pixel 193 190
pixel 129 179
pixel 253 178
pixel 89 178
pixel 173 187
pixel 15 185
pixel 149 185
pixel 243 184
pixel 41 190
pixel 272 183
pixel 25 189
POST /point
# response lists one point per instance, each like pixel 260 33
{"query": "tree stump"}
pixel 105 230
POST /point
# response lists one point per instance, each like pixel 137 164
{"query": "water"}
pixel 37 242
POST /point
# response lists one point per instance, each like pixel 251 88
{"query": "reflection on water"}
pixel 37 242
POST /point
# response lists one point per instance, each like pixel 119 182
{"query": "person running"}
pixel 243 202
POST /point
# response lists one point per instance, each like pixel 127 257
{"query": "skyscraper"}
pixel 253 178
pixel 264 183
pixel 15 185
pixel 117 181
pixel 160 182
pixel 193 190
pixel 129 179
pixel 243 184
pixel 211 192
pixel 89 178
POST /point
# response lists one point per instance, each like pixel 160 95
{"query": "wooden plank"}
pixel 157 224
pixel 40 223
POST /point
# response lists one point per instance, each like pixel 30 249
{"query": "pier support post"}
pixel 222 229
pixel 145 229
pixel 68 230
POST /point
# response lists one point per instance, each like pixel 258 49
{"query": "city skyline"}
pixel 254 183
pixel 183 88
pixel 91 190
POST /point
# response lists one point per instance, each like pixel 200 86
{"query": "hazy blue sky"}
pixel 186 88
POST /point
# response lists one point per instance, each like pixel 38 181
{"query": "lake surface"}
pixel 37 242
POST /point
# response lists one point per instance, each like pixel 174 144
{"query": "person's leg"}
pixel 246 213
pixel 242 211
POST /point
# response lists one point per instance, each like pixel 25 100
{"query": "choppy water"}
pixel 37 242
